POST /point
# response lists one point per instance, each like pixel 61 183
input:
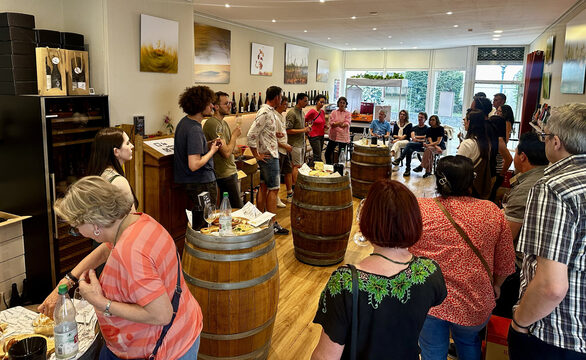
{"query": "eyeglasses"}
pixel 74 232
pixel 543 135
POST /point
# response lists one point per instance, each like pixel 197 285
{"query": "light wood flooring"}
pixel 294 334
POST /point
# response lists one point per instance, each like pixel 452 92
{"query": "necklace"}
pixel 393 261
pixel 118 231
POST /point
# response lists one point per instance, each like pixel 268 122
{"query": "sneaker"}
pixel 418 169
pixel 407 173
pixel 426 175
pixel 280 204
pixel 279 230
pixel 290 197
pixel 396 162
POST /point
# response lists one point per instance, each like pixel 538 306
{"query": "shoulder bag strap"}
pixel 354 341
pixel 466 238
pixel 113 177
pixel 175 303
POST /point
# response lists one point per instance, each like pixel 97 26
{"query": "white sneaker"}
pixel 280 204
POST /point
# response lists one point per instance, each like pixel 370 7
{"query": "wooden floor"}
pixel 294 334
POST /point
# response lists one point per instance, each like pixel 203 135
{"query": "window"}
pixel 411 99
pixel 373 94
pixel 452 83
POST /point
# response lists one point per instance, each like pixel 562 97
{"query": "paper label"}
pixel 55 60
pixel 66 344
pixel 81 85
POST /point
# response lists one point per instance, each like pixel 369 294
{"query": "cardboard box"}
pixel 497 331
pixel 48 38
pixel 51 72
pixel 17 61
pixel 72 41
pixel 18 87
pixel 14 33
pixel 17 48
pixel 78 76
pixel 17 19
pixel 18 74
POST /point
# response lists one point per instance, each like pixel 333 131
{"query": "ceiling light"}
pixel 353 48
pixel 497 35
pixel 390 36
pixel 449 13
pixel 374 29
pixel 414 47
pixel 347 44
pixel 274 20
pixel 456 25
pixel 227 5
pixel 329 38
pixel 498 31
pixel 322 1
pixel 384 48
pixel 304 30
pixel 496 39
pixel 353 18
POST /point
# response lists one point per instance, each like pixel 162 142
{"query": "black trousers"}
pixel 193 190
pixel 230 185
pixel 330 150
pixel 526 346
pixel 317 145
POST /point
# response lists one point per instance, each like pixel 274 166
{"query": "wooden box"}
pixel 12 264
pixel 77 72
pixel 51 74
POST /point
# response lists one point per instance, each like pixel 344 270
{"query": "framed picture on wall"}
pixel 546 85
pixel 261 59
pixel 212 54
pixel 574 66
pixel 323 70
pixel 296 64
pixel 159 39
pixel 549 49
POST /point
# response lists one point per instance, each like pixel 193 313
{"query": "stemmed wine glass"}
pixel 219 130
pixel 239 121
pixel 80 304
pixel 359 239
pixel 210 213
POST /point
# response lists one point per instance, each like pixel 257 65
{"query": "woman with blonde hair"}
pixel 401 134
pixel 141 290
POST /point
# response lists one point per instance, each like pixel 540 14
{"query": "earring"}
pixel 97 232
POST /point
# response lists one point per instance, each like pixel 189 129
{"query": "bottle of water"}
pixel 225 216
pixel 66 340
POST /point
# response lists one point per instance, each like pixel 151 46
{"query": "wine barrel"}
pixel 321 219
pixel 368 164
pixel 235 280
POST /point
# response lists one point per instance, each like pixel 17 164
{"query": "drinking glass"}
pixel 80 304
pixel 358 238
pixel 239 121
pixel 210 213
pixel 219 130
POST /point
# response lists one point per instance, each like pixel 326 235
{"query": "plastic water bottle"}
pixel 225 216
pixel 66 340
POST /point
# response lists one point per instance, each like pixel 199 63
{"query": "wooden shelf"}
pixel 77 130
pixel 75 119
pixel 73 142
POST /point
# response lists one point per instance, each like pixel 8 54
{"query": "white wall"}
pixel 559 30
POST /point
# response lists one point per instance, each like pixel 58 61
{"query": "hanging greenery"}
pixel 379 77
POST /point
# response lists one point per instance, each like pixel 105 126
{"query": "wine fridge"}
pixel 45 144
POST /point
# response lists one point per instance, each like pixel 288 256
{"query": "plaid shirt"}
pixel 555 228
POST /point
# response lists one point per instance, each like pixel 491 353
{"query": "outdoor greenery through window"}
pixel 449 87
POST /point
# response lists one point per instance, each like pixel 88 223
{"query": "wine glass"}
pixel 238 121
pixel 80 304
pixel 210 213
pixel 219 130
pixel 358 238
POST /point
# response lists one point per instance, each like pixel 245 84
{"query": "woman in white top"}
pixel 476 147
pixel 110 150
pixel 401 133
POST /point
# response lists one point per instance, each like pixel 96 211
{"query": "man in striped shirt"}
pixel 550 320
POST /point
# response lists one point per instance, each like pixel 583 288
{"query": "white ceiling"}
pixel 411 23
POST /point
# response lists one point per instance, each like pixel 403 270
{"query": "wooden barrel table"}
pixel 235 280
pixel 368 164
pixel 321 219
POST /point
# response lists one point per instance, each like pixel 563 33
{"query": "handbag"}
pixel 107 354
pixel 354 340
pixel 467 239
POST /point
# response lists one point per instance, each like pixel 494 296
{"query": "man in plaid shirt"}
pixel 550 320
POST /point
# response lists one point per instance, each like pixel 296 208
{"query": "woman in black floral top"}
pixel 396 289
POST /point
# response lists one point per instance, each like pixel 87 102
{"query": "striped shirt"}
pixel 554 228
pixel 141 267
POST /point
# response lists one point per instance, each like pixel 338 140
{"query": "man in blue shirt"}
pixel 380 128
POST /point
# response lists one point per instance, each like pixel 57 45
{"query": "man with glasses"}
pixel 224 165
pixel 550 320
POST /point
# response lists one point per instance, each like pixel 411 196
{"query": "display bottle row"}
pixel 311 94
pixel 249 102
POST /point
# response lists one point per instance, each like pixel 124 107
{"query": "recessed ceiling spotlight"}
pixel 456 25
pixel 322 1
pixel 414 47
pixel 390 36
pixel 274 20
pixel 373 29
pixel 498 31
pixel 496 39
pixel 353 18
pixel 449 13
pixel 373 13
pixel 227 5
pixel 353 48
pixel 329 38
pixel 497 35
pixel 304 30
pixel 384 48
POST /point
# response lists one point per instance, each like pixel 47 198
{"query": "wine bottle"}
pixel 25 297
pixel 56 77
pixel 253 103
pixel 47 75
pixel 233 108
pixel 241 105
pixel 81 83
pixel 246 103
pixel 14 297
pixel 259 100
pixel 289 96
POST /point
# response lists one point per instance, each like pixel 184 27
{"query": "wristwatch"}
pixel 107 312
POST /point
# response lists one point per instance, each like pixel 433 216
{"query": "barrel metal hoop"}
pixel 240 335
pixel 369 165
pixel 316 261
pixel 379 154
pixel 230 257
pixel 323 180
pixel 321 237
pixel 330 189
pixel 261 353
pixel 232 285
pixel 364 181
pixel 212 242
pixel 321 207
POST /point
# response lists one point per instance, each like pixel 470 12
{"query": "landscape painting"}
pixel 212 54
pixel 296 64
pixel 323 70
pixel 574 66
pixel 159 39
pixel 261 60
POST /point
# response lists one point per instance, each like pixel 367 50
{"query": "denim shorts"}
pixel 269 173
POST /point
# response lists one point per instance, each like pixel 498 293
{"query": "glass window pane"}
pixel 511 91
pixel 499 72
pixel 450 81
pixel 411 99
pixel 372 94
